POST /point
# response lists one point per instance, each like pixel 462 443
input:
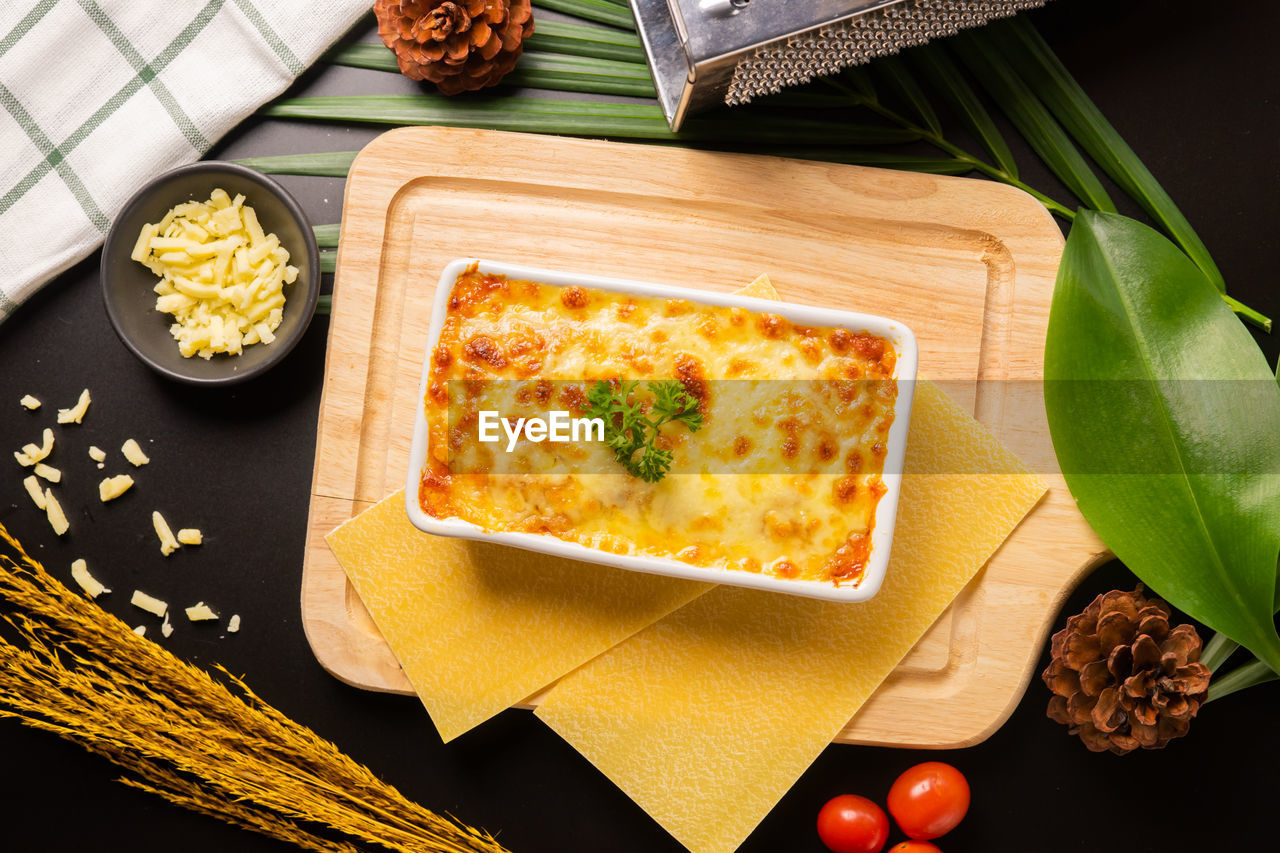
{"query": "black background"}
pixel 1192 87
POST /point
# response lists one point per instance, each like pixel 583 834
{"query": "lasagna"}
pixel 783 476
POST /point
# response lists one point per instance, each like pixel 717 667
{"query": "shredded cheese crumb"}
pixel 75 414
pixel 80 574
pixel 233 624
pixel 113 487
pixel 30 454
pixel 146 602
pixel 134 454
pixel 190 536
pixel 53 475
pixel 167 627
pixel 97 454
pixel 201 613
pixel 29 402
pixel 221 277
pixel 53 509
pixel 141 630
pixel 167 543
pixel 34 489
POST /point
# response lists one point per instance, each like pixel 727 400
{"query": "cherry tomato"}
pixel 852 824
pixel 929 800
pixel 914 847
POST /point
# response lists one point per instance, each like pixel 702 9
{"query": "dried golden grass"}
pixel 206 743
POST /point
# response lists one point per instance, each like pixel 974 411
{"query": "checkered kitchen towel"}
pixel 99 96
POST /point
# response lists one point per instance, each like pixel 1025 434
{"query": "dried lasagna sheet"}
pixel 709 716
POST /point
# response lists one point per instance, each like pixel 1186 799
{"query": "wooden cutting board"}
pixel 968 264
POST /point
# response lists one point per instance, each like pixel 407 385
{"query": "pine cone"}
pixel 460 45
pixel 1121 678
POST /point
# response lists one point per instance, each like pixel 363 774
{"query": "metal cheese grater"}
pixel 708 52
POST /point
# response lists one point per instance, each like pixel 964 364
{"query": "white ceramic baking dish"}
pixel 882 536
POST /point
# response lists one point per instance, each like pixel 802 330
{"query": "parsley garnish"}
pixel 631 434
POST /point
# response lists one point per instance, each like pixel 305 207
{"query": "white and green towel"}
pixel 99 96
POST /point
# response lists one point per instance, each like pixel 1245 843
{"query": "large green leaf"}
pixel 1166 421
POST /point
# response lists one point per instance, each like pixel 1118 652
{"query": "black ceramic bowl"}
pixel 127 285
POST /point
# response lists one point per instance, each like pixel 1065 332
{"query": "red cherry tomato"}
pixel 929 800
pixel 852 824
pixel 914 847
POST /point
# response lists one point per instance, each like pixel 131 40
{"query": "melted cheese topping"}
pixel 784 477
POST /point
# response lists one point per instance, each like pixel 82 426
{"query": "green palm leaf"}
pixel 326 236
pixel 328 164
pixel 582 39
pixel 895 73
pixel 534 70
pixel 949 83
pixel 1033 120
pixel 1036 63
pixel 580 118
pixel 600 11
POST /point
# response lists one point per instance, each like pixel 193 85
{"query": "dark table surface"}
pixel 1194 90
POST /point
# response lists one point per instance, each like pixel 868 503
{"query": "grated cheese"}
pixel 53 509
pixel 113 487
pixel 201 613
pixel 80 574
pixel 221 277
pixel 29 402
pixel 134 454
pixel 190 536
pixel 167 627
pixel 97 454
pixel 33 488
pixel 53 475
pixel 148 603
pixel 30 454
pixel 233 624
pixel 75 414
pixel 167 543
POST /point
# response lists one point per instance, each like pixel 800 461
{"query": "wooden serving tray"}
pixel 968 264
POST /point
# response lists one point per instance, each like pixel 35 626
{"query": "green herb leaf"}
pixel 951 85
pixel 1036 63
pixel 1032 119
pixel 1166 422
pixel 630 434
